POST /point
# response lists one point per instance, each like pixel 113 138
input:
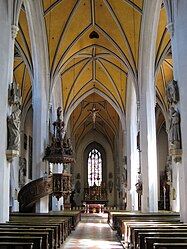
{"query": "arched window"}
pixel 94 168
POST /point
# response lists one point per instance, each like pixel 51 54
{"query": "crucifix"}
pixel 94 112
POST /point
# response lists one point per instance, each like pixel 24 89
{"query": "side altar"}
pixel 95 198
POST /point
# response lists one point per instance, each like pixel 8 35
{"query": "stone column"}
pixel 177 26
pixel 8 29
pixel 40 91
pixel 148 37
pixel 131 143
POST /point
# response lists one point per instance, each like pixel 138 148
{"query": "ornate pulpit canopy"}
pixel 60 150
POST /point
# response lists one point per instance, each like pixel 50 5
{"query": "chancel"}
pixel 93 121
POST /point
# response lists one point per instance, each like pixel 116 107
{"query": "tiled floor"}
pixel 92 232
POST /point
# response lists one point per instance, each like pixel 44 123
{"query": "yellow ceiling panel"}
pixel 85 41
pixel 24 27
pixel 168 72
pixel 23 34
pixel 160 85
pixel 18 74
pixel 139 3
pixel 85 75
pixel 164 44
pixel 22 77
pixel 27 86
pixel 77 23
pixel 130 25
pixel 103 17
pixel 55 23
pixel 119 77
pixel 80 85
pixel 48 3
pixel 163 36
pixel 103 78
pixel 170 61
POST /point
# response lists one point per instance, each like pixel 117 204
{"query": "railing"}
pixel 33 191
pixel 57 184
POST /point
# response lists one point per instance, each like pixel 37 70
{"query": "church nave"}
pixel 92 231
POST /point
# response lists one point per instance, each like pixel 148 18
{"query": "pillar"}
pixel 177 26
pixel 8 29
pixel 149 200
pixel 131 143
pixel 40 93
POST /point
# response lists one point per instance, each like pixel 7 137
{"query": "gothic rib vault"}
pixel 93 71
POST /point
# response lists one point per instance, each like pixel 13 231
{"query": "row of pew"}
pixel 157 230
pixel 38 230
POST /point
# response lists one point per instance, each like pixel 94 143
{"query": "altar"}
pixel 95 198
pixel 94 206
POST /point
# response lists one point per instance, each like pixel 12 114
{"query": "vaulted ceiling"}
pixel 93 46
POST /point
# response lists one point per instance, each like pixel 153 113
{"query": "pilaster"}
pixel 6 68
pixel 179 55
pixel 40 91
pixel 149 198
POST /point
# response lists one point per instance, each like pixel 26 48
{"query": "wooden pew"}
pixel 44 223
pixel 16 245
pixel 169 245
pixel 43 235
pixel 115 216
pixel 143 235
pixel 53 236
pixel 149 241
pixel 62 233
pixel 143 229
pixel 37 241
pixel 28 230
pixel 128 227
pixel 74 215
pixel 65 222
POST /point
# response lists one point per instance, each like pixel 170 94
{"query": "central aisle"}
pixel 94 232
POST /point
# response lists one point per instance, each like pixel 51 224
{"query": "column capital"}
pixel 14 31
pixel 170 28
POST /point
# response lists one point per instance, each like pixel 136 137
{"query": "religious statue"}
pixel 172 92
pixel 22 171
pixel 94 112
pixel 110 186
pixel 138 185
pixel 14 129
pixel 174 128
pixel 59 125
pixel 124 176
pixel 168 171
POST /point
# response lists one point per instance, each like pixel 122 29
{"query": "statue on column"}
pixel 138 185
pixel 172 92
pixel 124 176
pixel 22 171
pixel 14 99
pixel 174 128
pixel 168 171
pixel 14 129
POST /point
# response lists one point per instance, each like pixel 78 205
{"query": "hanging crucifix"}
pixel 94 112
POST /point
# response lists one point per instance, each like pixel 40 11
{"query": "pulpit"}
pixel 95 198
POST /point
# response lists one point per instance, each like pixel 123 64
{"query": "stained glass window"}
pixel 94 168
